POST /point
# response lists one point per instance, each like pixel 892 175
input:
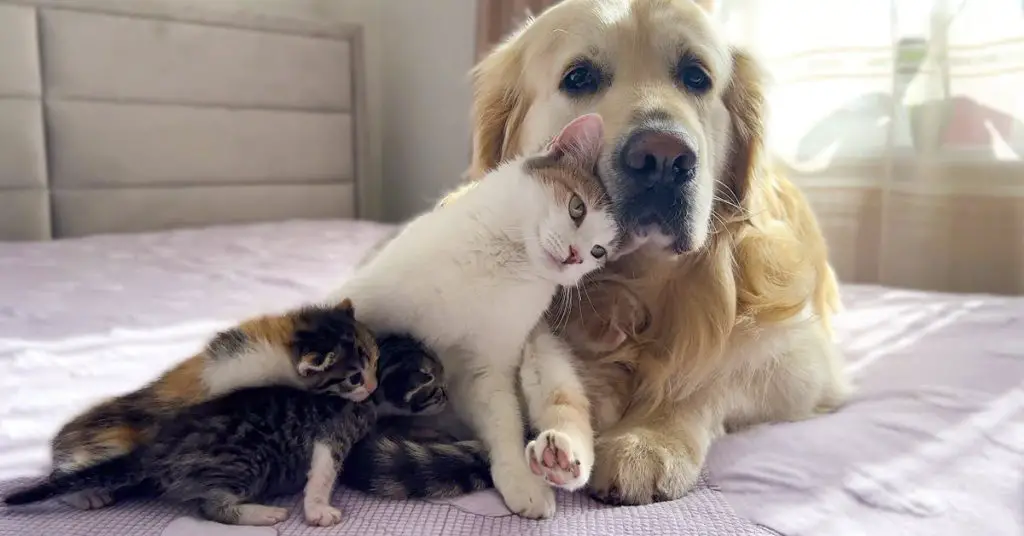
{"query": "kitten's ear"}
pixel 346 305
pixel 315 362
pixel 580 141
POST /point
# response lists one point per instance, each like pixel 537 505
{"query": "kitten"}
pixel 253 443
pixel 401 460
pixel 301 348
pixel 472 280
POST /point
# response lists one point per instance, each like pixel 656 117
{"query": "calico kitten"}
pixel 472 280
pixel 312 347
pixel 253 443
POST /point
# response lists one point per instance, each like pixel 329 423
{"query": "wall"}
pixel 428 50
pixel 418 54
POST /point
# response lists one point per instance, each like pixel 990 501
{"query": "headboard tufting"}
pixel 123 116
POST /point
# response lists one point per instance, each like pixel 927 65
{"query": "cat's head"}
pixel 411 378
pixel 335 353
pixel 575 230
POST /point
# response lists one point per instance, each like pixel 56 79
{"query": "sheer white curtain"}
pixel 902 120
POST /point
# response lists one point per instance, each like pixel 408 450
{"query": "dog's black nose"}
pixel 653 157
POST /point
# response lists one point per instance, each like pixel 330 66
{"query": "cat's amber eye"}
pixel 355 378
pixel 577 209
pixel 597 252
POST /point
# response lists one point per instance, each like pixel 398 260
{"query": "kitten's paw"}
pixel 524 493
pixel 320 514
pixel 260 515
pixel 89 499
pixel 563 464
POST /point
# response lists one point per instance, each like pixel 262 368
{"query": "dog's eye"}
pixel 577 210
pixel 597 252
pixel 693 77
pixel 582 79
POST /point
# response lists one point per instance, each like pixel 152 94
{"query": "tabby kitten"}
pixel 253 443
pixel 312 347
pixel 400 459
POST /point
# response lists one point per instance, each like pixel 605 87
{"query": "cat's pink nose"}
pixel 574 256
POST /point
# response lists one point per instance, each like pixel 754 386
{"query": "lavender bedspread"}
pixel 933 444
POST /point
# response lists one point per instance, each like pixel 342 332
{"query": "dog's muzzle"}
pixel 657 168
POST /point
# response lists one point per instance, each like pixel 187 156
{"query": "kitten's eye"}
pixel 577 210
pixel 355 378
pixel 597 252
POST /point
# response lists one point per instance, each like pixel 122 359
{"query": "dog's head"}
pixel 683 111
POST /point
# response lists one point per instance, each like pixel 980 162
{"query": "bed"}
pixel 932 444
pixel 125 247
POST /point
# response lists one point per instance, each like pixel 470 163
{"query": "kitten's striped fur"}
pixel 254 443
pixel 266 350
pixel 398 461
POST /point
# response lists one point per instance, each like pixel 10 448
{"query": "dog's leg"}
pixel 803 379
pixel 656 458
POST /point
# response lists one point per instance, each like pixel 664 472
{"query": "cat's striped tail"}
pixel 397 468
pixel 109 475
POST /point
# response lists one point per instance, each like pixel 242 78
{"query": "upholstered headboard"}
pixel 123 116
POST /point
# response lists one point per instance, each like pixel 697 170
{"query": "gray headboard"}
pixel 123 116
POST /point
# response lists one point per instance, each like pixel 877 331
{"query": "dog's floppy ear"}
pixel 745 101
pixel 499 106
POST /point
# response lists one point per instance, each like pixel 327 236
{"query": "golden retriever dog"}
pixel 717 316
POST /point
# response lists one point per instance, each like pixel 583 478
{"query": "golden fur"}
pixel 678 348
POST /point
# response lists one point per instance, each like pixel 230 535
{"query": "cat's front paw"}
pixel 89 499
pixel 259 515
pixel 321 514
pixel 524 493
pixel 562 462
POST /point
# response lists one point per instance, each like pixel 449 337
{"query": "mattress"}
pixel 933 443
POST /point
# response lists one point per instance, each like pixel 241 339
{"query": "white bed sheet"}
pixel 932 444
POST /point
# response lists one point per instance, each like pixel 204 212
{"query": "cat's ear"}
pixel 578 144
pixel 346 306
pixel 581 141
pixel 315 362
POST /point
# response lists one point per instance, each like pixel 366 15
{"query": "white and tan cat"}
pixel 473 279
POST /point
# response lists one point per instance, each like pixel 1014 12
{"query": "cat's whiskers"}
pixel 590 301
pixel 558 320
pixel 579 298
pixel 568 305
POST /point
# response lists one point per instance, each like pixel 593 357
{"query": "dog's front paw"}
pixel 524 493
pixel 562 462
pixel 641 467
